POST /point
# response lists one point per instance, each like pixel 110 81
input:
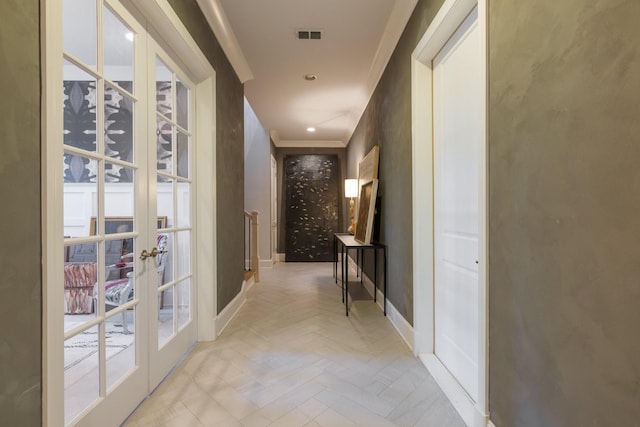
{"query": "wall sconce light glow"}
pixel 129 36
pixel 311 129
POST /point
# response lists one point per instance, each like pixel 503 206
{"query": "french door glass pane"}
pixel 80 277
pixel 184 302
pixel 79 196
pixel 80 33
pixel 182 104
pixel 81 374
pixel 165 199
pixel 184 204
pixel 165 317
pixel 118 258
pixel 118 123
pixel 166 275
pixel 119 286
pixel 161 260
pixel 120 346
pixel 119 199
pixel 183 154
pixel 80 95
pixel 164 135
pixel 118 50
pixel 183 254
pixel 164 86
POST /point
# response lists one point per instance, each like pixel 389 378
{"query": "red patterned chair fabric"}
pixel 79 280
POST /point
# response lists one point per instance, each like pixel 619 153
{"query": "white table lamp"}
pixel 351 191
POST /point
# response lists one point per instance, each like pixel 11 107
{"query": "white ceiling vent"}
pixel 309 34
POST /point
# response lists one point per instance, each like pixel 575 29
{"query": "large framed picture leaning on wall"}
pixel 367 193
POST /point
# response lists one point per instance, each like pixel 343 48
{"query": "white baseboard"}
pixel 397 320
pixel 267 263
pixel 247 284
pixel 228 313
pixel 403 327
pixel 461 401
pixel 490 424
pixel 282 257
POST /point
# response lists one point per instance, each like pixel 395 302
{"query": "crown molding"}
pixel 221 27
pixel 398 20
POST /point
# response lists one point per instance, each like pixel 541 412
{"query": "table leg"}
pixel 361 264
pixel 357 262
pixel 375 274
pixel 335 257
pixel 346 283
pixel 342 272
pixel 385 281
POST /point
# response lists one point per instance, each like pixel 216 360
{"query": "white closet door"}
pixel 457 138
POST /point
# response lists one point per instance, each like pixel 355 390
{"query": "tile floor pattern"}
pixel 292 358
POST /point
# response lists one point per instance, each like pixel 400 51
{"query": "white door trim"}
pixel 448 19
pixel 52 214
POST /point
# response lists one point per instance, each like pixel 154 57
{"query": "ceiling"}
pixel 260 38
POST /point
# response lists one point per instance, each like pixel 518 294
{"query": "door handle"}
pixel 154 253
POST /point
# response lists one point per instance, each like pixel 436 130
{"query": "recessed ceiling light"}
pixel 129 36
pixel 311 129
pixel 310 77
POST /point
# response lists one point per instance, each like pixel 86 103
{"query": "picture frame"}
pixel 368 166
pixel 120 224
pixel 366 211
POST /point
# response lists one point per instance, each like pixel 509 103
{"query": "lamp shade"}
pixel 350 188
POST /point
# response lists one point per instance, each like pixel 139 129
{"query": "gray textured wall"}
pixel 20 283
pixel 387 122
pixel 564 213
pixel 229 153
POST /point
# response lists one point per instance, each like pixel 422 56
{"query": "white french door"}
pixel 458 133
pixel 173 329
pixel 127 196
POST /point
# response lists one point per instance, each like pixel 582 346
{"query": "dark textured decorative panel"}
pixel 312 206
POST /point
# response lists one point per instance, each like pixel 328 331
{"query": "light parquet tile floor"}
pixel 291 357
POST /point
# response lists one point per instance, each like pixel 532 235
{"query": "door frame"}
pixel 159 18
pixel 446 22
